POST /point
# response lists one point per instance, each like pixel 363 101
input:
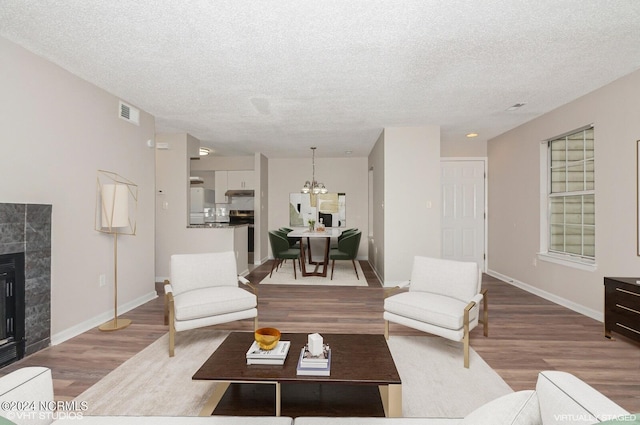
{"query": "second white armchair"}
pixel 444 299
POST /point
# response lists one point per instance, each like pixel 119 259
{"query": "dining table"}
pixel 305 233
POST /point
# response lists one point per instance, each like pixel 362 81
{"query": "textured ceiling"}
pixel 280 76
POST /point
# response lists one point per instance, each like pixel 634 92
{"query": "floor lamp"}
pixel 116 207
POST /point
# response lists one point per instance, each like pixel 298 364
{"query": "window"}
pixel 571 196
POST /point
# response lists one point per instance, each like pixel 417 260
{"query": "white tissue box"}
pixel 314 341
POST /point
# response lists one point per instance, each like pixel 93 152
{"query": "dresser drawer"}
pixel 626 330
pixel 626 316
pixel 625 297
pixel 622 307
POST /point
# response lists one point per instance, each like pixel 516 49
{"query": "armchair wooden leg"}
pixel 172 325
pixel 466 351
pixel 255 323
pixel 166 310
pixel 333 264
pixel 465 337
pixel 485 312
pixel 386 330
pixel 172 342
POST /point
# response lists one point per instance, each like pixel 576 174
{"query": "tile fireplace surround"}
pixel 27 228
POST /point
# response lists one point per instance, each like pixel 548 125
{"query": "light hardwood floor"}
pixel 527 334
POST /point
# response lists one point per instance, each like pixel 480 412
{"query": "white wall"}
pixel 346 175
pixel 376 236
pixel 514 187
pixel 466 148
pixel 56 131
pixel 261 220
pixel 411 198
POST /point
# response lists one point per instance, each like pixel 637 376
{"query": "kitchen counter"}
pixel 215 237
pixel 214 226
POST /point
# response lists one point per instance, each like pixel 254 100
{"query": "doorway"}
pixel 463 210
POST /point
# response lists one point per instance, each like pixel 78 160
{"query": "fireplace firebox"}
pixel 12 308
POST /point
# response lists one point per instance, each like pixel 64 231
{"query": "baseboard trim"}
pixel 596 315
pixel 382 282
pixel 100 319
pixel 374 271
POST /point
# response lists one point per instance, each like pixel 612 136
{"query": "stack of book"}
pixel 309 364
pixel 275 356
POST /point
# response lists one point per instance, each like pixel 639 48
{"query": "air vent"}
pixel 515 106
pixel 129 113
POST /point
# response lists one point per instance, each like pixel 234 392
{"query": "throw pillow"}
pixel 519 408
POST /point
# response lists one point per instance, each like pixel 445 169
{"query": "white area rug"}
pixel 152 383
pixel 343 275
pixel 434 381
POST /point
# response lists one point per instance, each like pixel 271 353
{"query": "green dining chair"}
pixel 347 232
pixel 292 241
pixel 282 251
pixel 343 234
pixel 347 250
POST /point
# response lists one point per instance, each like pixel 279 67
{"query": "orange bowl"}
pixel 267 338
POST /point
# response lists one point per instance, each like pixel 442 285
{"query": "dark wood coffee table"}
pixel 355 360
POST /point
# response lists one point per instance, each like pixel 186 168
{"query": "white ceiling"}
pixel 280 76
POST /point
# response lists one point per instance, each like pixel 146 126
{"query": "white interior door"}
pixel 463 211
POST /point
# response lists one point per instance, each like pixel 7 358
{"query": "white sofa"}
pixel 26 397
pixel 559 398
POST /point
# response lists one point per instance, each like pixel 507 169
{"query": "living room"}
pixel 59 129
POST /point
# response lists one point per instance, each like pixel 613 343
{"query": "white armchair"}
pixel 204 291
pixel 443 299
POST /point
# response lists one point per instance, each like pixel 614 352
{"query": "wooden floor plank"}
pixel 527 334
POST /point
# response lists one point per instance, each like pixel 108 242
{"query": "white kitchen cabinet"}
pixel 221 187
pixel 240 180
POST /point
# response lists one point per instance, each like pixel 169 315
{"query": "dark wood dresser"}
pixel 622 306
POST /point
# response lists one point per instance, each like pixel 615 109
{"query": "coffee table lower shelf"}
pixel 308 399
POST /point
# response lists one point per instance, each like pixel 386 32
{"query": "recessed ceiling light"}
pixel 348 152
pixel 470 135
pixel 205 151
pixel 516 106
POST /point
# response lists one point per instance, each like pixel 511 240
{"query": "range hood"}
pixel 239 193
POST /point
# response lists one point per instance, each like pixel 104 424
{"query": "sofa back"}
pixel 564 399
pixel 26 396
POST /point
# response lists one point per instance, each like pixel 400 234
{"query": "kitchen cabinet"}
pixel 240 180
pixel 221 187
pixel 232 180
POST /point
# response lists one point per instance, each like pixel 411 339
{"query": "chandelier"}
pixel 313 186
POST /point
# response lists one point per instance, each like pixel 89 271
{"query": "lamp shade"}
pixel 115 205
